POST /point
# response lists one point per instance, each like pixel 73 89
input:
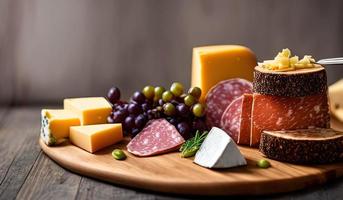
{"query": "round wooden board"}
pixel 171 174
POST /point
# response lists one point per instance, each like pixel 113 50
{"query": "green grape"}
pixel 158 93
pixel 149 92
pixel 177 89
pixel 195 92
pixel 198 110
pixel 169 109
pixel 189 100
pixel 167 96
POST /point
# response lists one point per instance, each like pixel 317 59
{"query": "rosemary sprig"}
pixel 191 146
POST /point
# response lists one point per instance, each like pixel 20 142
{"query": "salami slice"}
pixel 230 121
pixel 158 137
pixel 221 95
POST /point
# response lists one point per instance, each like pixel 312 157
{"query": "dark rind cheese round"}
pixel 304 146
pixel 298 83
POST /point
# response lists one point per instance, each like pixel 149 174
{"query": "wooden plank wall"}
pixel 50 49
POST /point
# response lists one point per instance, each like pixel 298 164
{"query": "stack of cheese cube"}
pixel 83 121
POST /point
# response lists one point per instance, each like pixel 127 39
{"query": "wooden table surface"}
pixel 27 173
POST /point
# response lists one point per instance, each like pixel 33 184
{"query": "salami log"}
pixel 158 137
pixel 273 113
pixel 303 146
pixel 236 119
pixel 221 95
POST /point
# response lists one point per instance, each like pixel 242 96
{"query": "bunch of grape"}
pixel 183 110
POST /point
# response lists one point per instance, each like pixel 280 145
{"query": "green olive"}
pixel 118 154
pixel 263 163
pixel 177 89
pixel 149 91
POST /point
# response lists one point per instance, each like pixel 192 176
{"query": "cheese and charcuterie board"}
pixel 272 134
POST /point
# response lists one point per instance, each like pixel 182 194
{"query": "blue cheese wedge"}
pixel 219 151
pixel 55 125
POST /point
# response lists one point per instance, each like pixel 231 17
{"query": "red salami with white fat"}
pixel 158 137
pixel 230 121
pixel 221 95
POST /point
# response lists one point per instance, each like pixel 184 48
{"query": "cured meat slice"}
pixel 236 119
pixel 221 95
pixel 286 113
pixel 298 83
pixel 158 137
pixel 245 128
pixel 303 146
pixel 231 118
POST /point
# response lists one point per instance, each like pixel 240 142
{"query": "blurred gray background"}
pixel 53 49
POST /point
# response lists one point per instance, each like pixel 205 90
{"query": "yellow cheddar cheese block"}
pixel 212 64
pixel 91 110
pixel 95 137
pixel 56 124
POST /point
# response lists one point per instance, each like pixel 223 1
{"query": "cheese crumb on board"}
pixel 219 151
pixel 91 110
pixel 55 125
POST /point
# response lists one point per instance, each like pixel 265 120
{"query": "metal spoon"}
pixel 330 61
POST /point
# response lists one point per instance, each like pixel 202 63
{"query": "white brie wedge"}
pixel 219 151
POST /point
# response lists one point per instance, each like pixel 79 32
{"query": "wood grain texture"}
pixel 18 149
pixel 82 47
pixel 173 174
pixel 49 181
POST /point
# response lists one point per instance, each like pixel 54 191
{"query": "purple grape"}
pixel 184 129
pixel 134 108
pixel 129 122
pixel 110 119
pixel 113 95
pixel 173 121
pixel 160 102
pixel 118 117
pixel 138 97
pixel 140 121
pixel 199 124
pixel 134 132
pixel 124 111
pixel 174 102
pixel 182 110
pixel 146 107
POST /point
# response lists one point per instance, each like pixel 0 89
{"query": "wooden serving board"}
pixel 172 174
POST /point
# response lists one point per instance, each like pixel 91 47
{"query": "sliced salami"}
pixel 236 119
pixel 221 95
pixel 245 128
pixel 230 121
pixel 158 137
